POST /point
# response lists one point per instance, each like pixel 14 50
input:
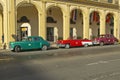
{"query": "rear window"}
pixel 36 39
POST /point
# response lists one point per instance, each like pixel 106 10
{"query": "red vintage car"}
pixel 105 39
pixel 74 43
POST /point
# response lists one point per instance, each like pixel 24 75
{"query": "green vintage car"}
pixel 29 43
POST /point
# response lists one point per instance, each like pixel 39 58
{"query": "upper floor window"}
pixel 110 1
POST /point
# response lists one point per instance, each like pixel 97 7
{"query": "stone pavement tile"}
pixel 4 50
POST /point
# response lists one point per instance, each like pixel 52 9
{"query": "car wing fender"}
pixel 41 44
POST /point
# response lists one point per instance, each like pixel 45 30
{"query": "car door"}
pixel 106 39
pixel 37 43
pixel 27 44
pixel 76 42
pixel 112 40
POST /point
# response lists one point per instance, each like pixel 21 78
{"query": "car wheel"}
pixel 115 43
pixel 85 45
pixel 17 49
pixel 44 48
pixel 67 46
pixel 101 43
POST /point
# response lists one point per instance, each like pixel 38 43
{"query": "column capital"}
pixel 66 11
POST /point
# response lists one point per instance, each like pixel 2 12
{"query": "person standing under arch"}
pixel 2 38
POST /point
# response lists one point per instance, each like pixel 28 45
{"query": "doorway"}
pixel 71 32
pixel 24 32
pixel 50 33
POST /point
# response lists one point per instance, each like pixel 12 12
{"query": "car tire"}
pixel 17 49
pixel 86 45
pixel 101 43
pixel 67 46
pixel 44 48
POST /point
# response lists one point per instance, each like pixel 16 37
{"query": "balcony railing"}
pixel 92 3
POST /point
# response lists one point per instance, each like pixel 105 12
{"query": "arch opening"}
pixel 54 24
pixel 110 24
pixel 76 24
pixel 94 22
pixel 27 21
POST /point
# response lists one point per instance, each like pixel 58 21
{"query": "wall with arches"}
pixel 37 12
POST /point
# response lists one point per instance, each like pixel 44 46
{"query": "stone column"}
pixel 42 20
pixel 102 22
pixel 1 26
pixel 86 23
pixel 119 26
pixel 7 24
pixel 116 23
pixel 5 27
pixel 66 22
pixel 11 20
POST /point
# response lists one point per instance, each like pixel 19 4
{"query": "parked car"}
pixel 74 43
pixel 31 42
pixel 105 39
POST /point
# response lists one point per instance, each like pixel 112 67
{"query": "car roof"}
pixel 35 36
pixel 105 34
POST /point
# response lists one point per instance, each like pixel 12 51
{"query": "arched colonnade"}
pixel 56 20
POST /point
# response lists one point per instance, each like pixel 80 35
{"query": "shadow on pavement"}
pixel 23 71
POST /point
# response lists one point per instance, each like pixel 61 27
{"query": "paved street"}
pixel 92 63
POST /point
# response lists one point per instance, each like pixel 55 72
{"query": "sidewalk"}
pixel 4 50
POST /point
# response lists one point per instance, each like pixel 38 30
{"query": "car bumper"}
pixel 95 43
pixel 11 48
pixel 89 43
pixel 61 45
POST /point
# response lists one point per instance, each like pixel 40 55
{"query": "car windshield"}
pixel 101 36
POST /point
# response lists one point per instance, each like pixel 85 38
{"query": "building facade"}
pixel 58 19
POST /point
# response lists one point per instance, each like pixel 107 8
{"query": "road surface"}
pixel 103 64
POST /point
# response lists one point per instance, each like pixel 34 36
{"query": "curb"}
pixel 4 50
